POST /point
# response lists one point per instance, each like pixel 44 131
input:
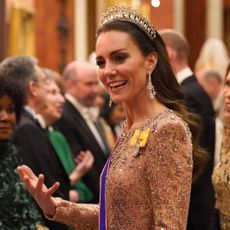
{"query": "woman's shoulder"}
pixel 169 134
pixel 168 120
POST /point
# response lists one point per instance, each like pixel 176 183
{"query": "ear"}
pixel 32 88
pixel 171 53
pixel 69 85
pixel 152 59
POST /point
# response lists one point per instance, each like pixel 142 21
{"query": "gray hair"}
pixel 21 68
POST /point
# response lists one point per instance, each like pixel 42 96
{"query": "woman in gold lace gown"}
pixel 147 180
pixel 221 173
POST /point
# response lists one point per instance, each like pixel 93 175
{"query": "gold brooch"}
pixel 139 140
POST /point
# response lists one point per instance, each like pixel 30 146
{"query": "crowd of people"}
pixel 131 144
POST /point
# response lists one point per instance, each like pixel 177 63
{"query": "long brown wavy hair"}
pixel 168 91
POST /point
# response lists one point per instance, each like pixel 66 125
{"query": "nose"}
pixel 3 115
pixel 227 92
pixel 109 69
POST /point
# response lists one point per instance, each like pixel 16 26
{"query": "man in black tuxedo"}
pixel 201 210
pixel 79 121
pixel 34 144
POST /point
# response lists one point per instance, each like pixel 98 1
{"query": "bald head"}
pixel 81 82
pixel 77 69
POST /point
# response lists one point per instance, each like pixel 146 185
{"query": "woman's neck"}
pixel 136 114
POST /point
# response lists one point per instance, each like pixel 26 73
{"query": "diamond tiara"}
pixel 127 14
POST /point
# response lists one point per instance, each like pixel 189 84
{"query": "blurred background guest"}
pixel 221 173
pixel 37 152
pixel 79 191
pixel 213 56
pixel 79 122
pixel 18 210
pixel 212 84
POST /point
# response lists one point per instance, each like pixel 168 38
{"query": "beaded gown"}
pixel 146 187
pixel 221 181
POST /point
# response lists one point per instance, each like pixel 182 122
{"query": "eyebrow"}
pixel 114 52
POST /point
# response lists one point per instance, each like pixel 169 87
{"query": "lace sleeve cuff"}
pixel 80 216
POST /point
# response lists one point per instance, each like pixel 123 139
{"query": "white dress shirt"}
pixel 90 115
pixel 183 74
pixel 36 116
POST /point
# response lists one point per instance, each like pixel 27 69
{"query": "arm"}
pixel 169 169
pixel 81 216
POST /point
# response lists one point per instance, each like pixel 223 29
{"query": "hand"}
pixel 35 185
pixel 74 196
pixel 84 161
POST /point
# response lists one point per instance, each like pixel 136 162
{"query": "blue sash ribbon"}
pixel 102 219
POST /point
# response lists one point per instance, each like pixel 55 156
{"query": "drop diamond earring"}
pixel 150 88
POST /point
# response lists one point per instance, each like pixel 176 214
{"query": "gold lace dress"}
pixel 146 187
pixel 221 181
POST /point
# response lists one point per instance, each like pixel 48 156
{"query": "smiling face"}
pixel 7 118
pixel 122 67
pixel 55 102
pixel 226 93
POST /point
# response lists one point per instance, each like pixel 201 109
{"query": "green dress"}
pixel 17 208
pixel 64 153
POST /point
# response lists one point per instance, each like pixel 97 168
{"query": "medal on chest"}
pixel 138 140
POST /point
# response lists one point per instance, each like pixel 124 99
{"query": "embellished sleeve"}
pixel 79 216
pixel 169 173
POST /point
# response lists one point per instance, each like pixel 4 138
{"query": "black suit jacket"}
pixel 80 137
pixel 202 196
pixel 39 155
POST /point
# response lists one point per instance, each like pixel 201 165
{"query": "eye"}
pixel 119 58
pixel 227 83
pixel 100 63
pixel 54 92
pixel 10 109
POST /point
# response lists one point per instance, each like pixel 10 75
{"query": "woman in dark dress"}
pixel 18 210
